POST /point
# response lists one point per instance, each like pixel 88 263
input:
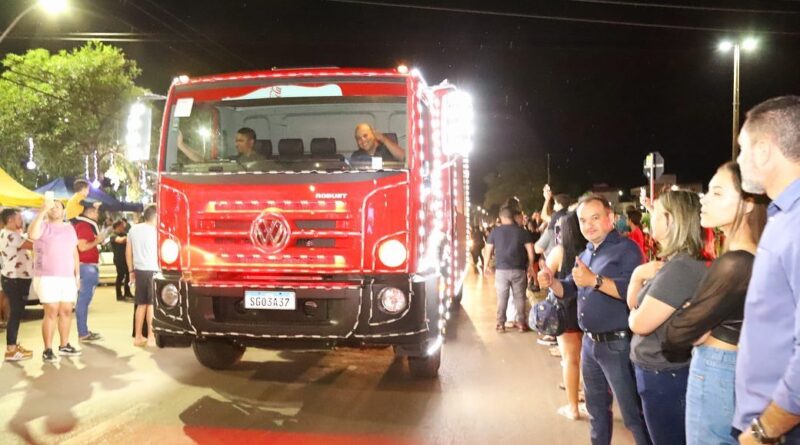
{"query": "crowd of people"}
pixel 57 262
pixel 697 345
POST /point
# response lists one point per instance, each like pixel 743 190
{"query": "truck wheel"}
pixel 425 367
pixel 457 297
pixel 217 353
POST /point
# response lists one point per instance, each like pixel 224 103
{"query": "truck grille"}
pixel 321 235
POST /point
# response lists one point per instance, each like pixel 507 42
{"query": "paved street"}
pixel 492 389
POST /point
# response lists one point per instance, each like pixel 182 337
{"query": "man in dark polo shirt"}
pixel 513 247
pixel 600 281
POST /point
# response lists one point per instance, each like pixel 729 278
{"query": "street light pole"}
pixel 17 19
pixel 735 134
pixel 748 44
pixel 52 6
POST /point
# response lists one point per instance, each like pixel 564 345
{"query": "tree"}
pixel 72 104
pixel 523 178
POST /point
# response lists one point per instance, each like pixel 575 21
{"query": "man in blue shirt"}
pixel 768 365
pixel 600 282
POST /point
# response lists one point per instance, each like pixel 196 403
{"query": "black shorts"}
pixel 145 291
pixel 572 316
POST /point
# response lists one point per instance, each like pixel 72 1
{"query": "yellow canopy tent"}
pixel 14 194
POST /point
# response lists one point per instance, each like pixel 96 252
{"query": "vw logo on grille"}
pixel 269 232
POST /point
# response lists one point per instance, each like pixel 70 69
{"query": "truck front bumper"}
pixel 325 315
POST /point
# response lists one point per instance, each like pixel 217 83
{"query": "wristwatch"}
pixel 757 431
pixel 598 281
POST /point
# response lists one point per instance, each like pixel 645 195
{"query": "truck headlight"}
pixel 392 253
pixel 170 250
pixel 170 295
pixel 392 300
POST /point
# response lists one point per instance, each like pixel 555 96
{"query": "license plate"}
pixel 280 301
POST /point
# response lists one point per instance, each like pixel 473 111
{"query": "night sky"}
pixel 548 76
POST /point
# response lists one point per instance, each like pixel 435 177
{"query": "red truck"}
pixel 304 246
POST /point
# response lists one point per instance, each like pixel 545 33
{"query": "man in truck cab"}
pixel 245 146
pixel 373 143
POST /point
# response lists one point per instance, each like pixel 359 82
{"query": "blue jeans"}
pixel 608 374
pixel 710 397
pixel 663 396
pixel 89 279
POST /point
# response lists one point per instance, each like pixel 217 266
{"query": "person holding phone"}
pixel 90 237
pixel 15 274
pixel 56 275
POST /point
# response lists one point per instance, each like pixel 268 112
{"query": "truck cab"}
pixel 297 243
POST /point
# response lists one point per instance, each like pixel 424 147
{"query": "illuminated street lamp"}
pixel 748 44
pixel 50 6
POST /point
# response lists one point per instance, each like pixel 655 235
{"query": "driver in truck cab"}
pixel 245 146
pixel 373 143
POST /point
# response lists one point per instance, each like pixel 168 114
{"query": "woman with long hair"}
pixel 656 291
pixel 712 319
pixel 569 244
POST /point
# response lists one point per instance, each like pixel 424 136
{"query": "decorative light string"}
pixel 30 164
pixel 96 182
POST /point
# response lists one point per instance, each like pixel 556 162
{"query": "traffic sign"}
pixel 653 165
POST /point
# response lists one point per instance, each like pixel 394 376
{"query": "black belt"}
pixel 608 336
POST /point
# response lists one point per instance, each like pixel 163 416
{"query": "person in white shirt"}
pixel 141 254
pixel 16 274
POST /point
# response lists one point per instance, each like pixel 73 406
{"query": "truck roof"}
pixel 278 73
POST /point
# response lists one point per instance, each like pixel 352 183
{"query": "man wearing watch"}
pixel 599 281
pixel 768 364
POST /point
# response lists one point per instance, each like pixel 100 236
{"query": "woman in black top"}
pixel 569 244
pixel 712 319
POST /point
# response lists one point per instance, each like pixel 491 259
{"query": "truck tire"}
pixel 457 297
pixel 217 354
pixel 426 367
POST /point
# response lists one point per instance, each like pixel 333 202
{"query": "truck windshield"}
pixel 283 134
